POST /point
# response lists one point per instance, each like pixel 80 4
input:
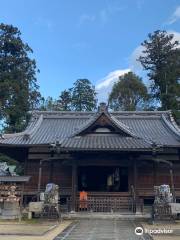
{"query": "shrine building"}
pixel 115 157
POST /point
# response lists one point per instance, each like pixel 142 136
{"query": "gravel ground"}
pixel 101 230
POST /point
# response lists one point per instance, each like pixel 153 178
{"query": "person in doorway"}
pixel 109 182
pixel 116 180
pixel 83 201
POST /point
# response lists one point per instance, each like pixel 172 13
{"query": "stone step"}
pixel 116 216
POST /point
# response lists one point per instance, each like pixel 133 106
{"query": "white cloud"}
pixel 104 86
pixel 175 16
pixel 134 64
pixel 176 35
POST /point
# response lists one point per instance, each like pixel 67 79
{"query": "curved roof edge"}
pixel 28 132
pixel 37 118
pixel 177 127
pixel 171 124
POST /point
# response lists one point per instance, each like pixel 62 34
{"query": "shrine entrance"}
pixel 103 179
pixel 103 189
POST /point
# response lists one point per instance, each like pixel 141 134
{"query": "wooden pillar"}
pixel 51 171
pixel 39 179
pixel 74 187
pixel 21 200
pixel 135 182
pixel 26 164
pixel 135 174
pixel 172 184
pixel 155 165
pixel 51 167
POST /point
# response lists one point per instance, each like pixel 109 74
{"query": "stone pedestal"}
pixel 36 207
pixel 11 210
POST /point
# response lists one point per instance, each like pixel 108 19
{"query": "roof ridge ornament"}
pixel 173 121
pixel 103 107
pixel 171 125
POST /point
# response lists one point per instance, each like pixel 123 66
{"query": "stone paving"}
pixel 101 230
pixel 20 236
pixel 25 229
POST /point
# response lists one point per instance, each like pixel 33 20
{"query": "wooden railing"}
pixel 103 202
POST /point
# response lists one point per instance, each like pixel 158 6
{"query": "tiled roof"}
pixel 14 178
pixel 104 142
pixel 49 127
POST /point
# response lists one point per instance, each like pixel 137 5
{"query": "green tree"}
pixel 161 58
pixel 128 94
pixel 65 100
pixel 49 104
pixel 83 96
pixel 18 84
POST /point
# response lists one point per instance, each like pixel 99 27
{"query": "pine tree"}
pixel 161 58
pixel 83 96
pixel 65 101
pixel 18 84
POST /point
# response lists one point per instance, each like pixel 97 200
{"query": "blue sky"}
pixel 97 39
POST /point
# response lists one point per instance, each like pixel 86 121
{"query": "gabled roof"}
pixel 120 128
pixel 47 127
pixel 120 137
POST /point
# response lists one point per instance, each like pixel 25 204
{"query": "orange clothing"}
pixel 83 195
pixel 83 200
